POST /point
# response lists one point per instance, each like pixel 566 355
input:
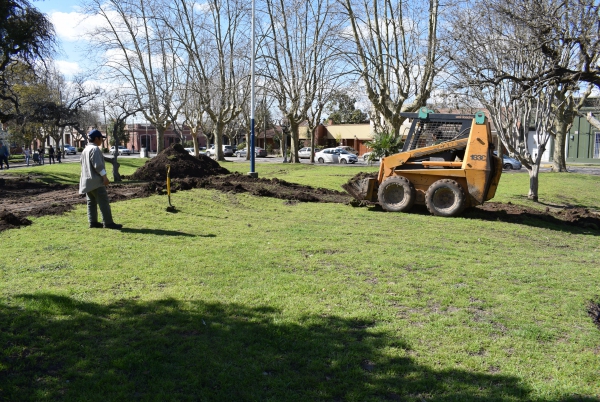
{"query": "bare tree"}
pixel 566 33
pixel 325 93
pixel 300 47
pixel 58 103
pixel 498 74
pixel 215 37
pixel 192 112
pixel 395 54
pixel 86 118
pixel 592 120
pixel 139 51
pixel 119 107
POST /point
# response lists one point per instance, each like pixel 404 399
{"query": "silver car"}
pixel 509 163
pixel 346 157
pixel 304 153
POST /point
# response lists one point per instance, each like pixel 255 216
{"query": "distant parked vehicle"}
pixel 328 155
pixel 304 153
pixel 227 151
pixel 346 157
pixel 349 149
pixel 509 163
pixel 122 150
pixel 69 150
pixel 258 152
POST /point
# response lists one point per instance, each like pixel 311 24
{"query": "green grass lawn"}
pixel 243 298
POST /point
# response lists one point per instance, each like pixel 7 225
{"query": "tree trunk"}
pixel 313 140
pixel 294 134
pixel 114 161
pixel 194 133
pixel 219 141
pixel 248 146
pixel 559 163
pixel 561 126
pixel 534 181
pixel 160 138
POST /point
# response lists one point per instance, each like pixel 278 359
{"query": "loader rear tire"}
pixel 445 198
pixel 396 194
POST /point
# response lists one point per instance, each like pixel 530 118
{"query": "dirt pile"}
pixel 593 309
pixel 182 165
pixel 10 221
pixel 497 211
pixel 240 183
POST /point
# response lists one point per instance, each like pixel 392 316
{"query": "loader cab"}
pixel 431 129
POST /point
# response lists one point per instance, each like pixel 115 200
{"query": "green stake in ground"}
pixel 170 208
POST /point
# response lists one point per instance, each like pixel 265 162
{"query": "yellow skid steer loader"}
pixel 447 163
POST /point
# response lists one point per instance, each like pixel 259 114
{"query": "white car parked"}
pixel 201 150
pixel 122 150
pixel 346 157
pixel 305 152
pixel 335 155
pixel 349 149
pixel 328 155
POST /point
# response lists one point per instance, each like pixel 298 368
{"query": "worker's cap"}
pixel 95 134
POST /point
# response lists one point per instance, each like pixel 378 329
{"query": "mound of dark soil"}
pixel 496 211
pixel 9 221
pixel 593 309
pixel 240 183
pixel 182 165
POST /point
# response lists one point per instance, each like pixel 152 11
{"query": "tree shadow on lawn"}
pixel 57 348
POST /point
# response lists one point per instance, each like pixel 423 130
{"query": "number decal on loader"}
pixel 478 157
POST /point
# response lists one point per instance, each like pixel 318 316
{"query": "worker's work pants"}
pixel 98 198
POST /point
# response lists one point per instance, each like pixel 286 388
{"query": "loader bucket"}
pixel 362 189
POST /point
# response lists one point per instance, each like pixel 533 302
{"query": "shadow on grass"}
pixel 58 179
pixel 161 232
pixel 56 348
pixel 587 226
pixel 539 220
pixel 565 205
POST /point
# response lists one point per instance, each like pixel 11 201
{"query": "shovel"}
pixel 170 208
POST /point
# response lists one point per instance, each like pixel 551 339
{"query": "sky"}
pixel 70 28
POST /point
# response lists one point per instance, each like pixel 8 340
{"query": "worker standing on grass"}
pixel 93 182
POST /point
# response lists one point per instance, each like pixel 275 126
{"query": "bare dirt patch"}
pixel 593 309
pixel 22 197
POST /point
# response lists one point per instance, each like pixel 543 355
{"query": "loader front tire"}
pixel 396 194
pixel 445 198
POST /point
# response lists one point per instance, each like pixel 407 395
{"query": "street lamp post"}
pixel 252 172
